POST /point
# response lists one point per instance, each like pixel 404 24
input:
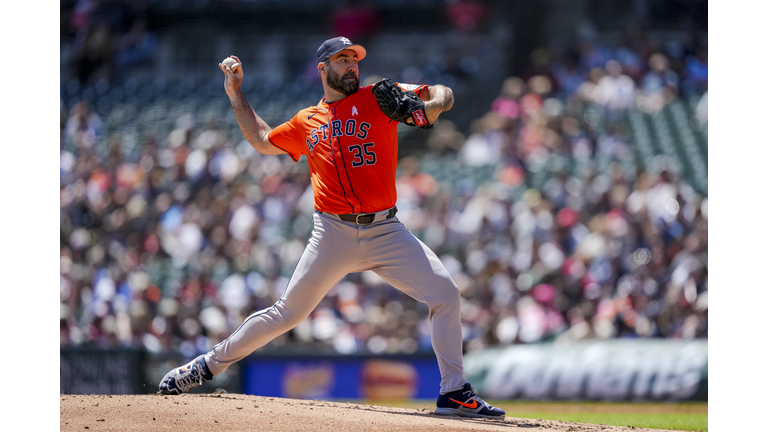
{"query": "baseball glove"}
pixel 400 105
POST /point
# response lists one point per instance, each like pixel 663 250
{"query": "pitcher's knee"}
pixel 448 298
pixel 451 293
pixel 286 318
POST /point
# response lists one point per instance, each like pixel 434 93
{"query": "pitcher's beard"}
pixel 338 83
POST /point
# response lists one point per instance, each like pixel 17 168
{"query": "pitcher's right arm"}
pixel 254 129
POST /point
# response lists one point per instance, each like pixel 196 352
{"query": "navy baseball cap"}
pixel 337 44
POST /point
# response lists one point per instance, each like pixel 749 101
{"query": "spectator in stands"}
pixel 111 35
pixel 137 47
pixel 659 85
pixel 630 60
pixel 593 53
pixel 445 138
pixel 567 73
pixel 94 53
pixel 355 19
pixel 484 145
pixel 697 72
pixel 83 126
pixel 466 15
pixel 507 103
pixel 615 91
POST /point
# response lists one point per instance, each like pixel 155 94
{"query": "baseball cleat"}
pixel 467 403
pixel 181 380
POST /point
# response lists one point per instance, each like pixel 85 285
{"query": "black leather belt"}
pixel 364 218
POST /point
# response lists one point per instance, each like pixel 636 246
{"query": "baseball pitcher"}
pixel 350 141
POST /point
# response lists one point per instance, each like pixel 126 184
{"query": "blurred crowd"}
pixel 574 238
pixel 110 37
pixel 571 238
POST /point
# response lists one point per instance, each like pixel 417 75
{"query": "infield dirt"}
pixel 234 412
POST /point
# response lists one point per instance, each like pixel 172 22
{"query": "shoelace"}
pixel 185 382
pixel 199 370
pixel 473 392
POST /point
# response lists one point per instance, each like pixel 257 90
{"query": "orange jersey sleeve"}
pixel 288 135
pixel 351 149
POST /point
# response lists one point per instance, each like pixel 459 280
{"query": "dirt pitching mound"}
pixel 234 412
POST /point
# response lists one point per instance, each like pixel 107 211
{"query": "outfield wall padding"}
pixel 611 370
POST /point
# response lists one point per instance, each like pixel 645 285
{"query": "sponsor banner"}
pixel 93 371
pixel 341 377
pixel 614 370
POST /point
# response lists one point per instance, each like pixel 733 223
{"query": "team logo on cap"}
pixel 345 41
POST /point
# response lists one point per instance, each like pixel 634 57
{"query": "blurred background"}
pixel 566 192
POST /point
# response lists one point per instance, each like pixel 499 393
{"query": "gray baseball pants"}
pixel 337 248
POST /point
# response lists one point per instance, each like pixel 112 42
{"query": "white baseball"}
pixel 229 61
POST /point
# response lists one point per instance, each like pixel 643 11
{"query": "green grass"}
pixel 683 422
pixel 684 416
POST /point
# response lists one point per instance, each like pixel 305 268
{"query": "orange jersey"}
pixel 351 148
